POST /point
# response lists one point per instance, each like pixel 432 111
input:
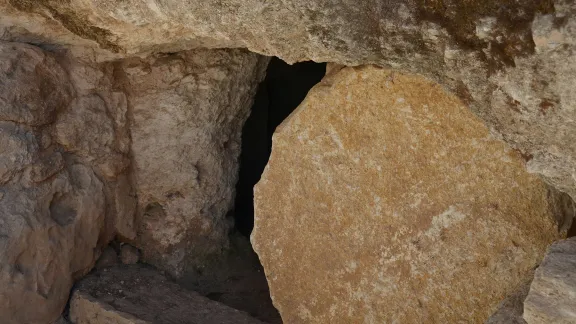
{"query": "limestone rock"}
pixel 56 208
pixel 511 61
pixel 552 297
pixel 187 115
pixel 386 200
pixel 139 295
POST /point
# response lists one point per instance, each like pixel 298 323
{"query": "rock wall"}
pixel 187 112
pixel 64 191
pixel 509 60
pixel 142 149
pixel 386 200
pixel 109 121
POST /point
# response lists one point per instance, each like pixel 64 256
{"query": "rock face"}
pixel 552 296
pixel 187 115
pixel 511 61
pixel 62 196
pixel 138 295
pixel 386 200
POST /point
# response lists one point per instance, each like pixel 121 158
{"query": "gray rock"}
pixel 510 61
pixel 552 296
pixel 140 295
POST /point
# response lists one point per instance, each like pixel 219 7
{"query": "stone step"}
pixel 137 294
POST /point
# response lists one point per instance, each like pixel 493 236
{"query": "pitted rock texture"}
pixel 511 61
pixel 140 295
pixel 58 204
pixel 552 297
pixel 187 114
pixel 386 200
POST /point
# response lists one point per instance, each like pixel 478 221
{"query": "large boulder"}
pixel 510 60
pixel 386 200
pixel 187 115
pixel 57 205
pixel 552 296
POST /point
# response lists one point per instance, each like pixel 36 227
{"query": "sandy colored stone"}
pixel 58 207
pixel 510 60
pixel 187 115
pixel 552 296
pixel 386 200
pixel 141 295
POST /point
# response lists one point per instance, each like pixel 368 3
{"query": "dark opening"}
pixel 283 89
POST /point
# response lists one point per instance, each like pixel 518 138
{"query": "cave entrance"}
pixel 237 278
pixel 283 89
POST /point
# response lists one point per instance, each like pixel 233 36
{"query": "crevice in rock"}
pixel 283 89
pixel 237 278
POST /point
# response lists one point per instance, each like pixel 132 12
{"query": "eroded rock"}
pixel 57 208
pixel 552 297
pixel 187 111
pixel 511 61
pixel 49 234
pixel 140 295
pixel 386 200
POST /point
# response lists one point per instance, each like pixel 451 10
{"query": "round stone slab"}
pixel 387 201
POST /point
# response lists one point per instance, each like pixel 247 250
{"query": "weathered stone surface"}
pixel 187 115
pixel 139 295
pixel 552 296
pixel 33 85
pixel 386 200
pixel 57 207
pixel 510 60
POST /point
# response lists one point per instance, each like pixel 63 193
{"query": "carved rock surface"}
pixel 552 296
pixel 386 200
pixel 510 60
pixel 140 295
pixel 57 206
pixel 187 115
